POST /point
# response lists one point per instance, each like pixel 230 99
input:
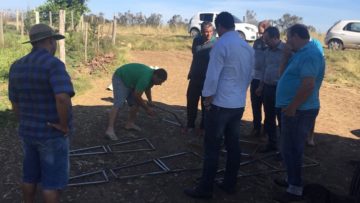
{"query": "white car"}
pixel 246 31
pixel 343 34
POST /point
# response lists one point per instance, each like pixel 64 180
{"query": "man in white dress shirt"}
pixel 227 79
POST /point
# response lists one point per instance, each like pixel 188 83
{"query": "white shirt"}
pixel 229 71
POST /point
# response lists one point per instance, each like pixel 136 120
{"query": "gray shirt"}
pixel 272 63
pixel 259 48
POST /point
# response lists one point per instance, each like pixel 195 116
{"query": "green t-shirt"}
pixel 135 76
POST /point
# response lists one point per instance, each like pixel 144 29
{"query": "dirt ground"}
pixel 337 132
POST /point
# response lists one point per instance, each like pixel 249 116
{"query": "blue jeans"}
pixel 47 161
pixel 221 122
pixel 294 131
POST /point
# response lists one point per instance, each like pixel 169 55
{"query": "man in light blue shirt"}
pixel 297 95
pixel 227 79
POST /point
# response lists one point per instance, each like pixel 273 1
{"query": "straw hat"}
pixel 42 31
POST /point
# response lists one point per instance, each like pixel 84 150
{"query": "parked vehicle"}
pixel 246 31
pixel 343 34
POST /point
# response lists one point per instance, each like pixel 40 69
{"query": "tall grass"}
pixel 154 38
pixel 343 67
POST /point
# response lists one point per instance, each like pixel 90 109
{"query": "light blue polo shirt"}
pixel 307 62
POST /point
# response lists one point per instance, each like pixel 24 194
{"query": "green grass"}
pixel 158 39
pixel 343 67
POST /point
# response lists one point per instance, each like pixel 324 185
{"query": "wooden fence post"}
pixel 22 24
pixel 1 30
pixel 50 19
pixel 37 17
pixel 114 31
pixel 86 41
pixel 62 32
pixel 17 20
pixel 72 21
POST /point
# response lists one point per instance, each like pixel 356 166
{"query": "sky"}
pixel 321 14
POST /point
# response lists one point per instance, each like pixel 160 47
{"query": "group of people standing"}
pixel 285 79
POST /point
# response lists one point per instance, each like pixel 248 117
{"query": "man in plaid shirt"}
pixel 40 91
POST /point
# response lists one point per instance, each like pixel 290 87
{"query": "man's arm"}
pixel 148 95
pixel 63 104
pixel 305 90
pixel 140 102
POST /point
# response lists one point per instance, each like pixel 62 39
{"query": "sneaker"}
pixel 198 193
pixel 111 136
pixel 223 187
pixel 281 182
pixel 286 197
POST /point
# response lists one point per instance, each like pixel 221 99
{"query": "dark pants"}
pixel 219 123
pixel 256 104
pixel 271 113
pixel 193 95
pixel 294 131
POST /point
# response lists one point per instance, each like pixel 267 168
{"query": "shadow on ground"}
pixel 332 152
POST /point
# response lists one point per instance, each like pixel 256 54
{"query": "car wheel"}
pixel 335 44
pixel 194 32
pixel 242 35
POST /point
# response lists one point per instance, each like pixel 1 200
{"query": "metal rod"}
pixel 151 145
pixel 85 149
pixel 164 166
pixel 172 122
pixel 172 113
pixel 103 172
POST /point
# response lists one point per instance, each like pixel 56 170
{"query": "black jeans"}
pixel 221 122
pixel 256 104
pixel 271 113
pixel 193 95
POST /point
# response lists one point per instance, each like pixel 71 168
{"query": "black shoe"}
pixel 287 197
pixel 197 192
pixel 281 182
pixel 223 187
pixel 268 148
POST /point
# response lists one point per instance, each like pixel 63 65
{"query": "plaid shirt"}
pixel 34 80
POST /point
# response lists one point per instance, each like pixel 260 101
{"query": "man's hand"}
pixel 207 102
pixel 289 111
pixel 150 104
pixel 64 129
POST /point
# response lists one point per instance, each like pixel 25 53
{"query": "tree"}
pixel 251 17
pixel 176 21
pixel 79 7
pixel 286 21
pixel 154 19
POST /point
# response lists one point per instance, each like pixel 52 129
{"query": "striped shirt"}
pixel 34 80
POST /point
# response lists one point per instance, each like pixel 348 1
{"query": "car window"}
pixel 206 17
pixel 354 27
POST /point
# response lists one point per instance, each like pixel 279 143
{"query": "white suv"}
pixel 246 31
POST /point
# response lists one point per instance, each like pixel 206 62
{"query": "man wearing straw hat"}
pixel 40 92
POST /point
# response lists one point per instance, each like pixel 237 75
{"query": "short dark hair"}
pixel 161 73
pixel 299 29
pixel 226 20
pixel 273 32
pixel 206 24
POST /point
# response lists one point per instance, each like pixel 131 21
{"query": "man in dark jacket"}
pixel 201 47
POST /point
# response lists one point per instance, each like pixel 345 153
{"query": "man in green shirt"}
pixel 130 81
